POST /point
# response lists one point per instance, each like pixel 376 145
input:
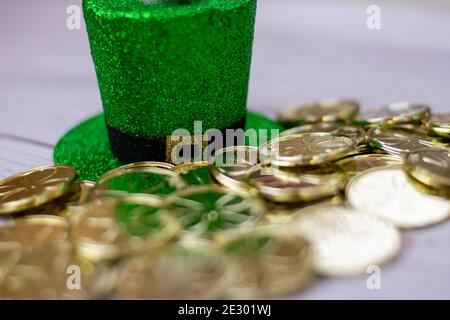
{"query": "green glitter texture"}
pixel 162 64
pixel 86 147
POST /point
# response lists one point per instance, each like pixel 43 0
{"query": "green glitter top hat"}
pixel 163 64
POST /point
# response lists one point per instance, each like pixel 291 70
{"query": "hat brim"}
pixel 86 146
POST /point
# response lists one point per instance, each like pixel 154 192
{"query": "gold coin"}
pixel 318 207
pixel 322 111
pixel 141 177
pixel 440 124
pixel 347 242
pixel 54 272
pixel 394 113
pixel 188 270
pixel 388 193
pixel 21 236
pixel 295 185
pixel 196 173
pixel 399 142
pixel 357 164
pixel 210 209
pixel 353 132
pixel 306 149
pixel 30 189
pixel 268 262
pixel 230 165
pixel 113 228
pixel 431 167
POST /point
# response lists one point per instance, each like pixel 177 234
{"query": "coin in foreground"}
pixel 21 236
pixel 346 242
pixel 33 188
pixel 357 164
pixel 188 271
pixel 115 227
pixel 54 272
pixel 268 262
pixel 388 193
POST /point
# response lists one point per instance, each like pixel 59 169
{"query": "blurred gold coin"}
pixel 357 164
pixel 33 188
pixel 305 149
pixel 208 209
pixel 323 111
pixel 387 192
pixel 394 113
pixel 196 173
pixel 268 262
pixel 113 228
pixel 440 124
pixel 353 132
pixel 296 184
pixel 431 167
pixel 189 270
pixel 347 242
pixel 230 165
pixel 21 236
pixel 54 272
pixel 400 142
pixel 142 177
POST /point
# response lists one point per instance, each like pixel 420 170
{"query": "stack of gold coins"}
pixel 329 196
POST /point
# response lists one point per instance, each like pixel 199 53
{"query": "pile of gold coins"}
pixel 326 198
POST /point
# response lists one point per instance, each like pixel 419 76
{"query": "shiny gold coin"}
pixel 394 113
pixel 54 272
pixel 440 124
pixel 305 149
pixel 400 142
pixel 431 167
pixel 196 173
pixel 268 262
pixel 189 270
pixel 387 192
pixel 142 177
pixel 355 133
pixel 286 213
pixel 21 236
pixel 230 165
pixel 323 111
pixel 357 164
pixel 347 242
pixel 297 184
pixel 30 189
pixel 113 228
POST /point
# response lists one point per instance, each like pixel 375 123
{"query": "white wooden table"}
pixel 304 50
